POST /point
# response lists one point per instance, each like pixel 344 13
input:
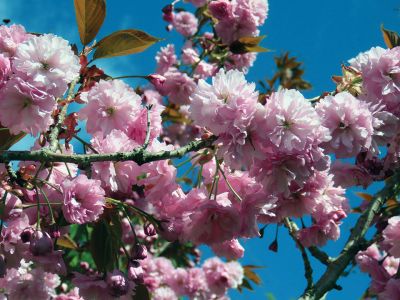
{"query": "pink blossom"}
pixel 22 285
pixel 178 87
pixel 5 69
pixel 391 236
pixel 391 291
pixel 48 61
pixel 166 58
pixel 381 75
pixel 282 173
pixel 211 221
pixel 347 175
pixel 11 37
pixel 137 129
pixel 185 23
pixel 221 276
pixel 362 60
pixel 189 54
pixel 229 249
pixel 221 9
pixel 238 19
pixel 226 108
pixel 83 200
pixel 33 107
pixel 110 105
pixel 205 69
pixel 349 122
pixel 164 293
pixel 241 62
pixel 12 231
pixel 291 123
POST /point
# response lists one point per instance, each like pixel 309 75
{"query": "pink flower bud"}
pixel 150 230
pixel 139 252
pixel 41 243
pixel 135 271
pixel 157 80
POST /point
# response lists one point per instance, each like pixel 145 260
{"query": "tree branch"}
pixel 138 155
pixel 292 227
pixel 355 243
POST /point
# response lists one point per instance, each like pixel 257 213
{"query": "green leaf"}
pixel 246 284
pixel 391 38
pixel 105 243
pixel 247 44
pixel 124 42
pixel 7 139
pixel 90 16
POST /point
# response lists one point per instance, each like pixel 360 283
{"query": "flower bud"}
pixel 139 252
pixel 150 230
pixel 26 234
pixel 41 243
pixel 135 271
pixel 118 284
pixel 157 80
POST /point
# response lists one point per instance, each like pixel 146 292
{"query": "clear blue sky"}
pixel 322 34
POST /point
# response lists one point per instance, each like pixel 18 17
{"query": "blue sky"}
pixel 322 34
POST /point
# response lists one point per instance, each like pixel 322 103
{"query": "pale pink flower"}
pixel 381 77
pixel 166 58
pixel 291 123
pixel 185 23
pixel 11 37
pixel 164 293
pixel 239 18
pixel 48 61
pixel 362 59
pixel 211 221
pixel 137 128
pixel 241 62
pixel 189 54
pixel 178 87
pixel 83 200
pixel 229 249
pixel 110 105
pixel 391 236
pixel 347 175
pixel 205 69
pixel 350 124
pixel 33 107
pixel 11 232
pixel 5 69
pixel 226 108
pixel 22 285
pixel 221 276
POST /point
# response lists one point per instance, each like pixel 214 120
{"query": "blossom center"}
pixel 45 66
pixel 110 111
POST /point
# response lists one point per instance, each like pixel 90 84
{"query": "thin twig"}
pixel 147 139
pixel 227 181
pixel 307 266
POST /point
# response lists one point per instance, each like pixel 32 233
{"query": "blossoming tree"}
pixel 117 222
